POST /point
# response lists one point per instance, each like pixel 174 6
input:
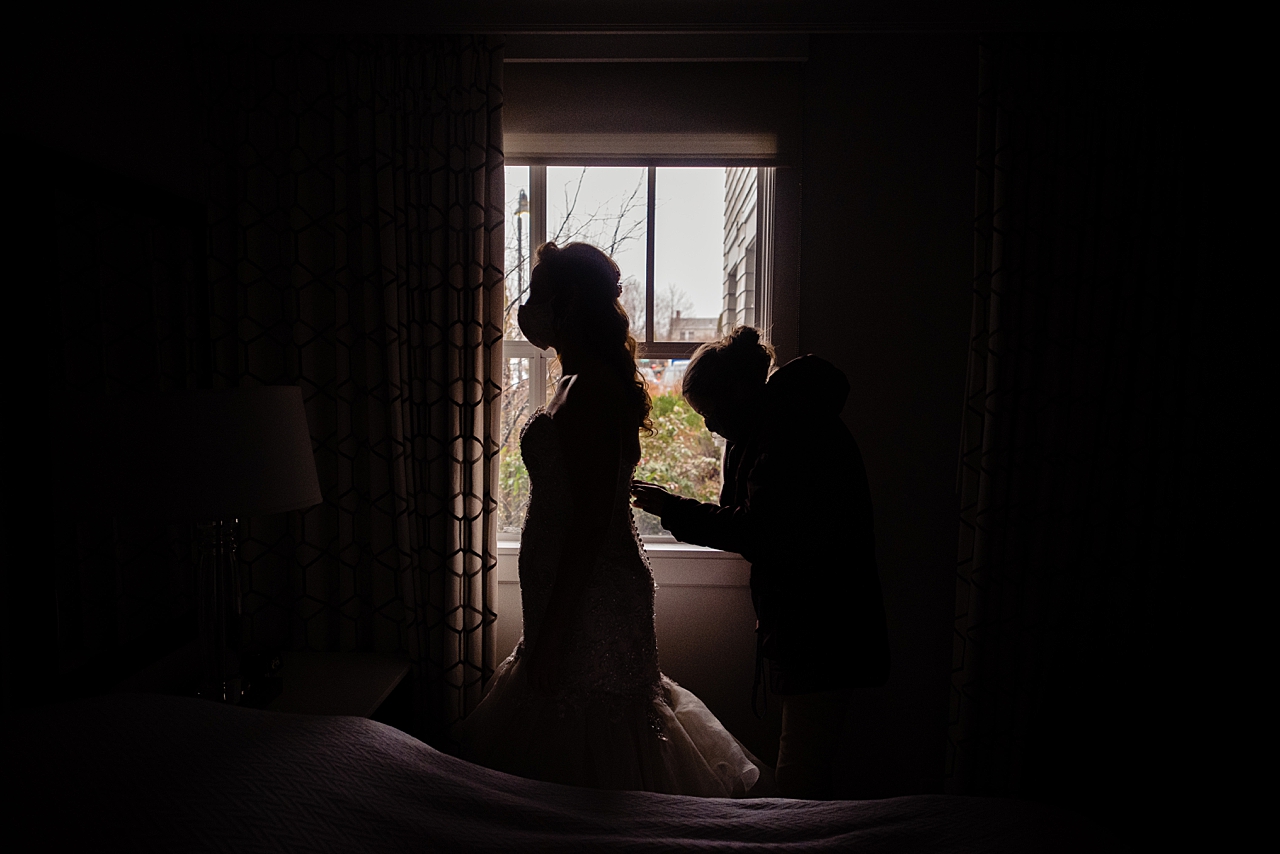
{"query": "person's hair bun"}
pixel 736 357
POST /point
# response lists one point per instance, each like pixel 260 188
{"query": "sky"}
pixel 689 243
pixel 689 213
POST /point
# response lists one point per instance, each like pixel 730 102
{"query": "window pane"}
pixel 518 250
pixel 528 382
pixel 552 368
pixel 681 455
pixel 690 245
pixel 606 207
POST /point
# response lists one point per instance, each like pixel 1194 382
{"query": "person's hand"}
pixel 649 497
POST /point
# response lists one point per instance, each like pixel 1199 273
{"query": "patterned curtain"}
pixel 1080 441
pixel 356 250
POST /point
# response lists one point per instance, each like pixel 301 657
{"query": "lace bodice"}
pixel 614 652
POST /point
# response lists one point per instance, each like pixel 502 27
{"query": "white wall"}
pixel 706 632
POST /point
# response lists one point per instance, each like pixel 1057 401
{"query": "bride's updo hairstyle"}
pixel 738 360
pixel 584 286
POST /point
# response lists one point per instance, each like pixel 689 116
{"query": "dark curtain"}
pixel 123 310
pixel 1083 437
pixel 356 250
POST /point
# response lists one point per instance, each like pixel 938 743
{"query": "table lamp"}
pixel 211 457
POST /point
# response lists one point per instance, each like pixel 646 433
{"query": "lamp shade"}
pixel 209 455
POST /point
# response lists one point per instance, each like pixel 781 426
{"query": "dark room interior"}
pixel 1003 225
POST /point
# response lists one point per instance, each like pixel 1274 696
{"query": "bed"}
pixel 158 773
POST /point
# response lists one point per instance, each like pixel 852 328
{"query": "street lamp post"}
pixel 522 211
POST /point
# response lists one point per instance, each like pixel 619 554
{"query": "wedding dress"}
pixel 614 720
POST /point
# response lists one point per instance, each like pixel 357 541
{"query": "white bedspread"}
pixel 151 773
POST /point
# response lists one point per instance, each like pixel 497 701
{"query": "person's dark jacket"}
pixel 795 503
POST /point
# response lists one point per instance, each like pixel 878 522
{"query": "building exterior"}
pixel 739 308
pixel 694 328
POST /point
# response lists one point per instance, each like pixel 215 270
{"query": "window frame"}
pixel 647 348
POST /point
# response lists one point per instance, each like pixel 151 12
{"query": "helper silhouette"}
pixel 795 503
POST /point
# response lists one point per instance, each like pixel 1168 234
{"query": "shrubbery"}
pixel 681 455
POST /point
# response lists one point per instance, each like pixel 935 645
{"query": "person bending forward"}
pixel 795 503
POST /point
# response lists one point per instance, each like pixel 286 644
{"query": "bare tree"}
pixel 632 300
pixel 610 226
pixel 666 302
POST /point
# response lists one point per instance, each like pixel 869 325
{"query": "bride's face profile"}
pixel 536 318
pixel 573 307
pixel 537 322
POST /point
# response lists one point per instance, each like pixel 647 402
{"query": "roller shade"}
pixel 739 113
pixel 745 148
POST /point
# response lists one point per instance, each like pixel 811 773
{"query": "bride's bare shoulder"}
pixel 561 397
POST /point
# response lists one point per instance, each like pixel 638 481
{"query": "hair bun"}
pixel 745 335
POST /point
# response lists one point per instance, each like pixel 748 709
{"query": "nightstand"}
pixel 359 684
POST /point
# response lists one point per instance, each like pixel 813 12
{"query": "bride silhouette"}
pixel 581 700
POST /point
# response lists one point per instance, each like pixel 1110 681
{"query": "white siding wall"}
pixel 739 248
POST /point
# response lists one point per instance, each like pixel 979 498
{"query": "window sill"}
pixel 665 548
pixel 674 565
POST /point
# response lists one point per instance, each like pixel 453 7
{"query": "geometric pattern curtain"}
pixel 355 193
pixel 1079 450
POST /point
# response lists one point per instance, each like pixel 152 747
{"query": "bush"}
pixel 681 456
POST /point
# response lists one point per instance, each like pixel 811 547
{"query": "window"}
pixel 684 239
